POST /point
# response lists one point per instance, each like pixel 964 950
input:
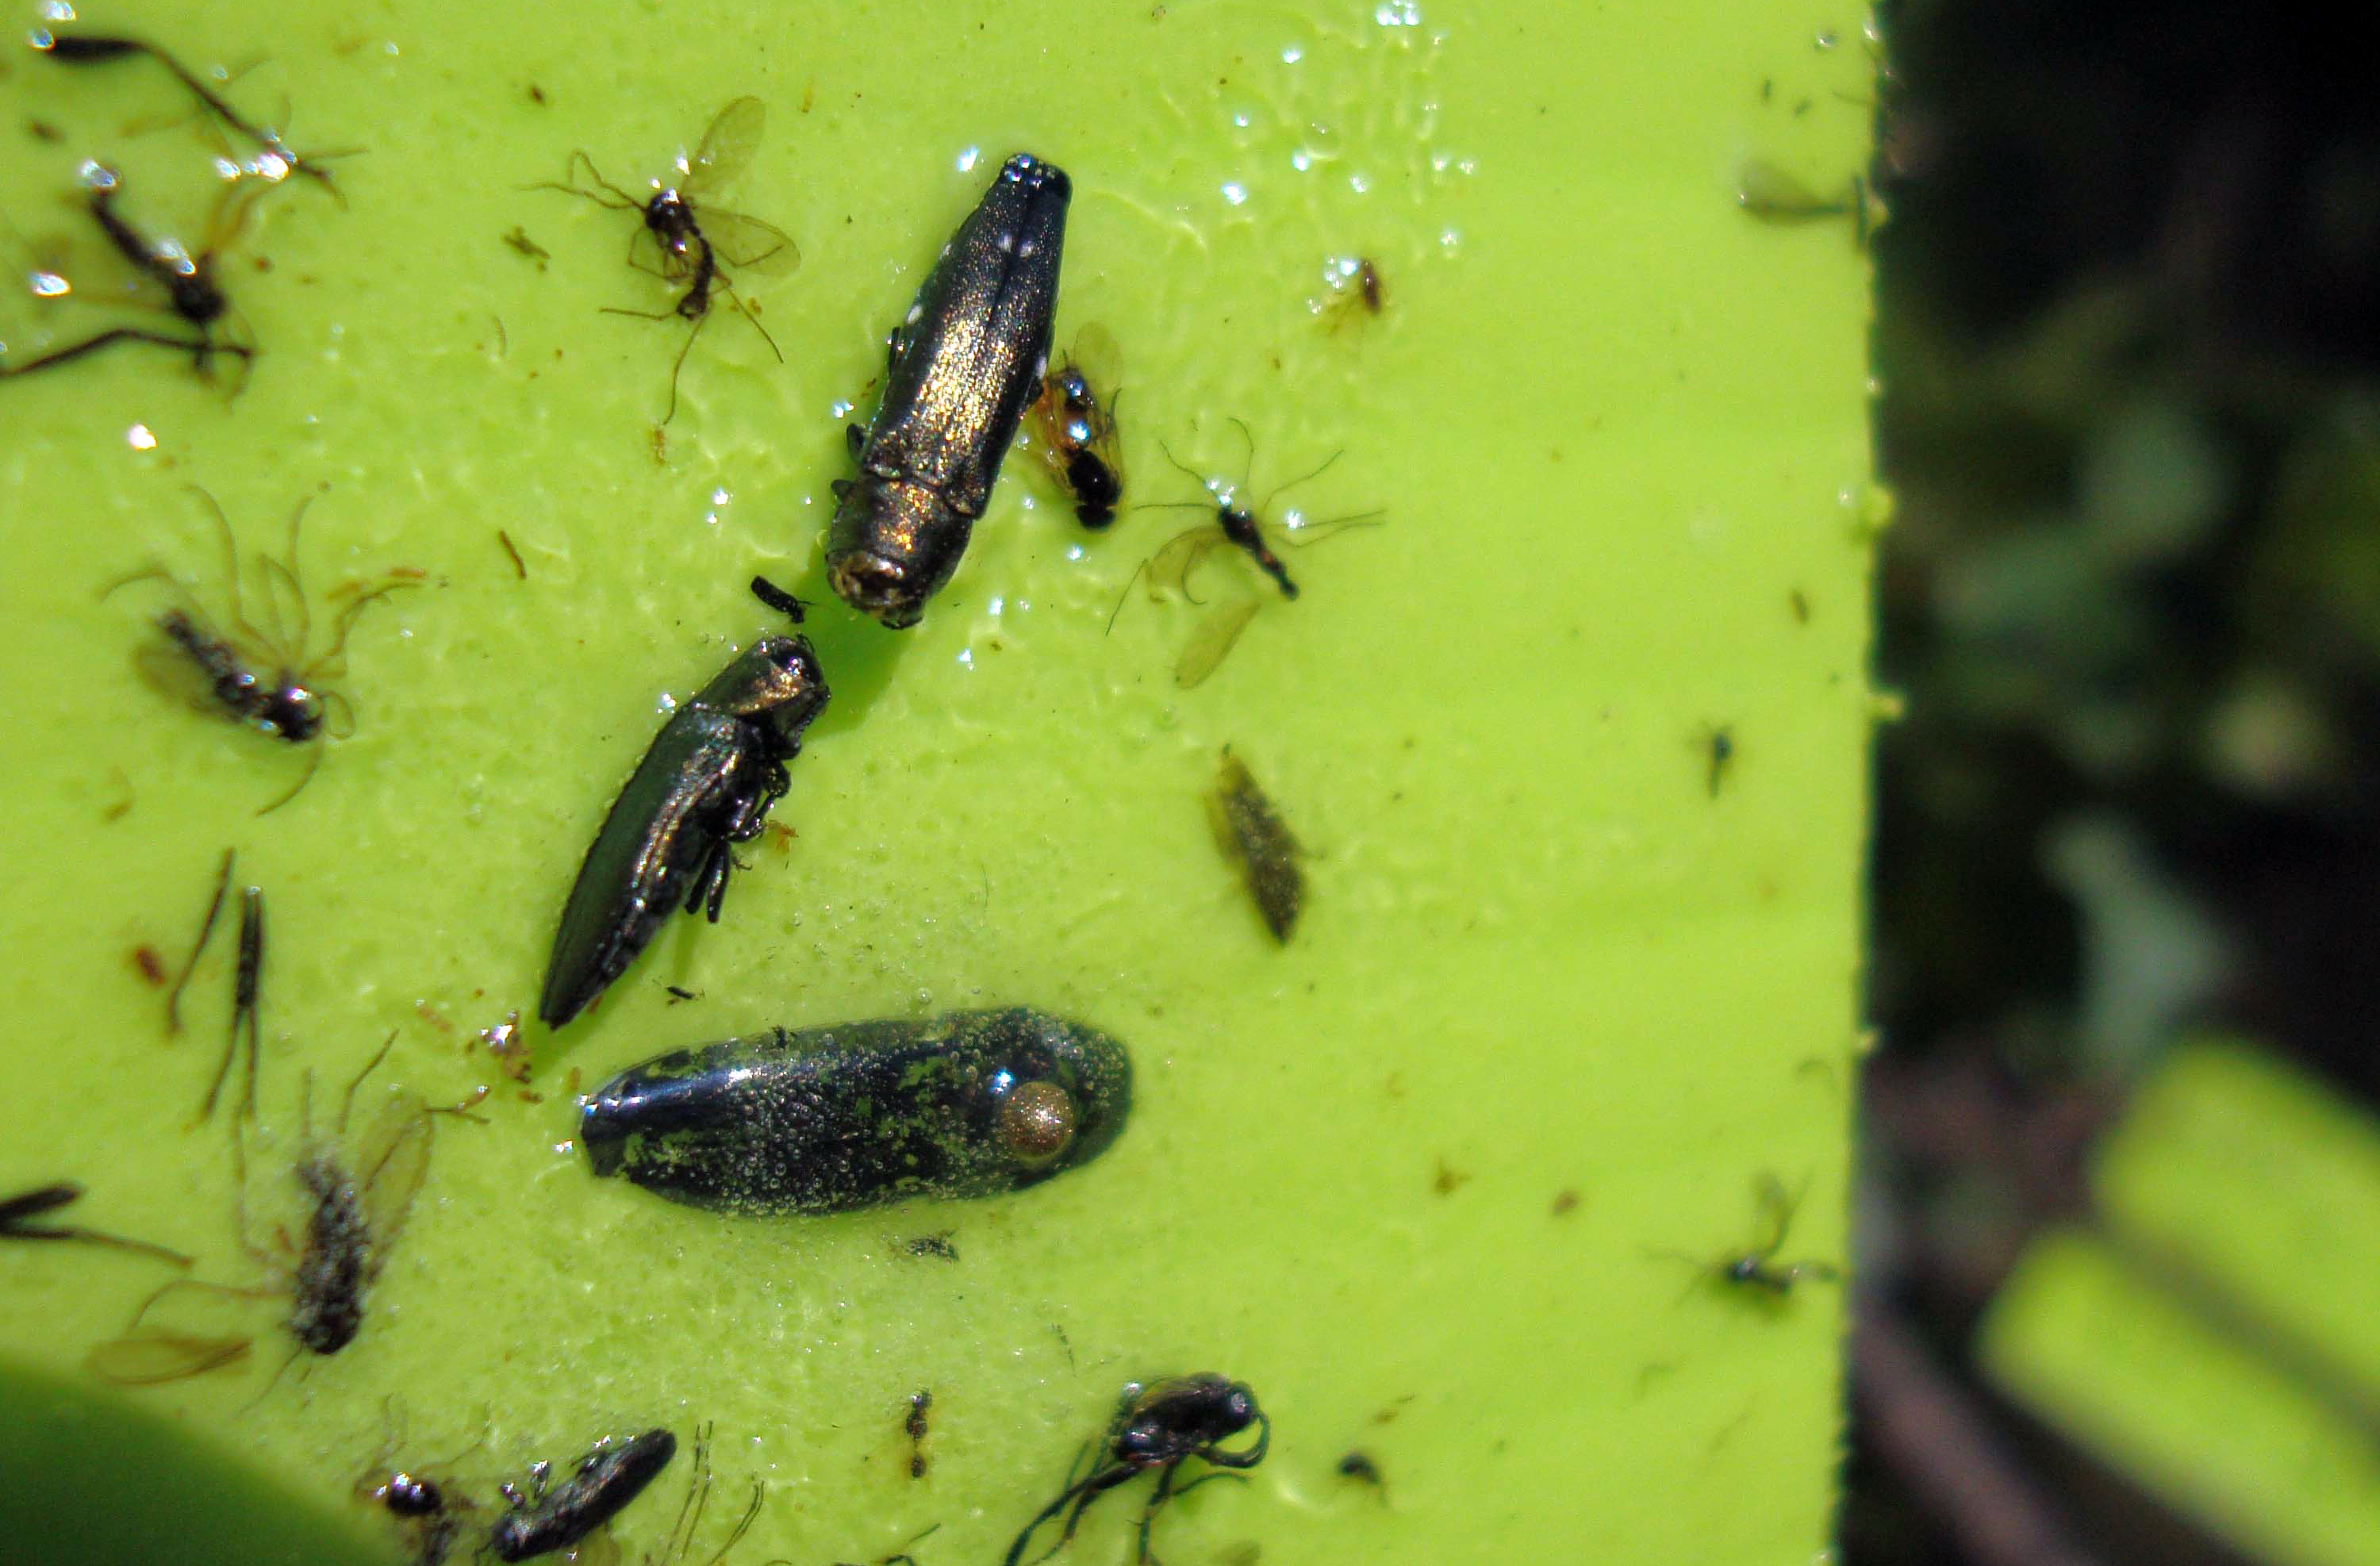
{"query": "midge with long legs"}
pixel 1160 1427
pixel 166 276
pixel 1756 1270
pixel 683 243
pixel 276 158
pixel 1242 528
pixel 262 678
pixel 358 1197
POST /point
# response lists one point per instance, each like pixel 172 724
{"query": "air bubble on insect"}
pixel 666 705
pixel 1292 55
pixel 839 408
pixel 1236 193
pixel 967 158
pixel 50 286
pixel 141 438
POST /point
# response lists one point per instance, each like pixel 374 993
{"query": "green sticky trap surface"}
pixel 1618 430
pixel 2215 1346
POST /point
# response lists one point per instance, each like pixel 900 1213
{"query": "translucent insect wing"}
pixel 151 1355
pixel 727 145
pixel 749 245
pixel 392 1159
pixel 1211 640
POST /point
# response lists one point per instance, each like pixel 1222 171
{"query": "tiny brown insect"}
pixel 1250 829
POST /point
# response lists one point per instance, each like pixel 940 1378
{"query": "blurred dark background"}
pixel 2128 340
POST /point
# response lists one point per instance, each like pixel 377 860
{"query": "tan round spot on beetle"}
pixel 1037 1121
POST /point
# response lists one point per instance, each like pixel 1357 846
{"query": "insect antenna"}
pixel 206 934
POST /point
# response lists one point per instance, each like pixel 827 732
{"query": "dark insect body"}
pixel 360 1197
pixel 610 1476
pixel 1250 830
pixel 1245 530
pixel 261 679
pixel 429 1513
pixel 1718 747
pixel 688 242
pixel 20 1214
pixel 276 158
pixel 860 1115
pixel 1076 427
pixel 1160 1427
pixel 705 785
pixel 425 1511
pixel 246 980
pixel 964 363
pixel 186 281
pixel 913 1423
pixel 1359 1466
pixel 1757 1270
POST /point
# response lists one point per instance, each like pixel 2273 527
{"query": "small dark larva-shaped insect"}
pixel 860 1115
pixel 705 785
pixel 914 1425
pixel 1160 1427
pixel 261 678
pixel 966 361
pixel 1251 831
pixel 682 244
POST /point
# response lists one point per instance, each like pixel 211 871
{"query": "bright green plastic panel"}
pixel 1556 1002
